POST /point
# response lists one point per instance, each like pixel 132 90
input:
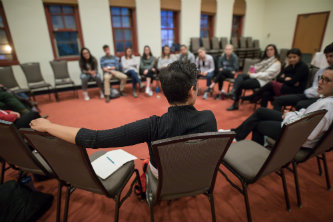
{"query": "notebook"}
pixel 105 165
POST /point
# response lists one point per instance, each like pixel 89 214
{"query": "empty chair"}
pixel 250 47
pixel 224 42
pixel 234 42
pixel 61 76
pixel 187 166
pixel 73 169
pixel 249 161
pixel 17 154
pixel 256 47
pixel 216 45
pixel 283 56
pixel 206 44
pixel 34 77
pixel 7 79
pixel 195 45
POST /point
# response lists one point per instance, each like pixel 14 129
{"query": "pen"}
pixel 110 159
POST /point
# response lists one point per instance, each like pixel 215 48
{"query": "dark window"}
pixel 206 26
pixel 169 27
pixel 123 29
pixel 7 53
pixel 65 30
pixel 237 24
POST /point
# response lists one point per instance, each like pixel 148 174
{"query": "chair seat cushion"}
pixel 246 158
pixel 231 80
pixel 59 82
pixel 39 85
pixel 114 183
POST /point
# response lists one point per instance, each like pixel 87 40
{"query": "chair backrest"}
pixel 32 72
pixel 325 143
pixel 195 44
pixel 60 69
pixel 69 162
pixel 249 62
pixel 234 42
pixel 215 43
pixel 188 164
pixel 242 42
pixel 283 55
pixel 15 151
pixel 224 42
pixel 292 137
pixel 206 43
pixel 256 44
pixel 249 42
pixel 7 77
pixel 312 72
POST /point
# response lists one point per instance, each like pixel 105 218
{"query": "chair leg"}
pixel 50 89
pixel 319 166
pixel 328 183
pixel 298 193
pixel 59 200
pixel 56 94
pixel 68 195
pixel 139 182
pixel 3 166
pixel 116 210
pixel 285 189
pixel 247 205
pixel 151 212
pixel 212 207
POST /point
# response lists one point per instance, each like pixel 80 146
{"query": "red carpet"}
pixel 266 196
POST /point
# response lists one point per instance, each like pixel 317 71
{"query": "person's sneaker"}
pixel 135 95
pixel 85 96
pixel 101 96
pixel 205 96
pixel 141 85
pixel 233 107
pixel 147 90
pixel 107 99
pixel 150 93
pixel 122 93
pixel 217 97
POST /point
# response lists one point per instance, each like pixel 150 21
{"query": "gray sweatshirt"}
pixel 207 66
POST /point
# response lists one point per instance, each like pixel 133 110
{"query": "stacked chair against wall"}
pixel 242 51
pixel 216 45
pixel 72 167
pixel 187 166
pixel 7 79
pixel 206 44
pixel 224 42
pixel 34 78
pixel 195 45
pixel 250 48
pixel 61 76
pixel 249 161
pixel 283 56
pixel 256 46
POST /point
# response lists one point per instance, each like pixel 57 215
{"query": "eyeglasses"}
pixel 324 79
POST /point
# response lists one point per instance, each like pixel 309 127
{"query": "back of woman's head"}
pixel 294 51
pixel 177 79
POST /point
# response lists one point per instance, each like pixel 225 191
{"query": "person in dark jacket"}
pixel 291 80
pixel 89 71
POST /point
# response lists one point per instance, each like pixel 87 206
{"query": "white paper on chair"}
pixel 107 164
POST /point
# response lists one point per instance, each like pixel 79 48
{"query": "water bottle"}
pixel 157 92
pixel 27 181
pixel 252 69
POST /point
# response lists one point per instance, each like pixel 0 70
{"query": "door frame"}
pixel 313 13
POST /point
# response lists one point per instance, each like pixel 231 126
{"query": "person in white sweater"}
pixel 130 68
pixel 165 59
pixel 262 73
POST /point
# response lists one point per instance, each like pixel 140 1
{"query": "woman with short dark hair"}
pixel 89 71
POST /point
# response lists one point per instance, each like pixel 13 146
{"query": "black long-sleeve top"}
pixel 299 73
pixel 179 120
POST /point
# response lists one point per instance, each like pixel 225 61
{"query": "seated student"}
pixel 292 80
pixel 147 63
pixel 20 121
pixel 228 66
pixel 265 71
pixel 310 95
pixel 205 64
pixel 130 67
pixel 179 84
pixel 185 55
pixel 89 71
pixel 9 102
pixel 110 67
pixel 165 59
pixel 267 122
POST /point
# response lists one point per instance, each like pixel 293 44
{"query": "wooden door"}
pixel 309 31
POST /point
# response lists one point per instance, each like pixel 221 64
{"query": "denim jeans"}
pixel 209 77
pixel 85 78
pixel 135 77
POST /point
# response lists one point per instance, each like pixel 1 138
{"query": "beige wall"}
pixel 148 20
pixel 223 18
pixel 189 20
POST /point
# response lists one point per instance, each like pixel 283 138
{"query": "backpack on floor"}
pixel 19 203
pixel 114 93
pixel 143 180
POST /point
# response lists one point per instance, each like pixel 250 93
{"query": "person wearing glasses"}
pixel 182 118
pixel 310 95
pixel 267 122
